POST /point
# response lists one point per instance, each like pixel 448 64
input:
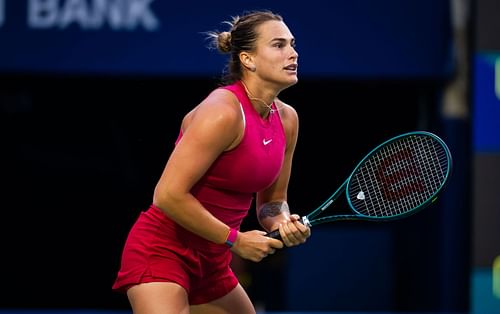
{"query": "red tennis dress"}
pixel 158 249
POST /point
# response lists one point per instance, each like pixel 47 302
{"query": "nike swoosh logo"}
pixel 265 142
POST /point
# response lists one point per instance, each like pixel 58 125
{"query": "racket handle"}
pixel 275 234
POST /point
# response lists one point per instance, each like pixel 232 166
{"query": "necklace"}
pixel 251 97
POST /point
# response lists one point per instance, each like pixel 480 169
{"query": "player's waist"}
pixel 221 198
pixel 173 231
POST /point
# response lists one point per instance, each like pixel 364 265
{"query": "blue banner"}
pixel 486 102
pixel 363 38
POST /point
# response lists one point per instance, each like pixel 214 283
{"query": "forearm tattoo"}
pixel 273 209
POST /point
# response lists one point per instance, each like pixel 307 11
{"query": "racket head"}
pixel 399 177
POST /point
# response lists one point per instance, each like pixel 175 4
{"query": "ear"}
pixel 246 60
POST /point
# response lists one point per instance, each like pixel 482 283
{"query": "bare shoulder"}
pixel 290 121
pixel 287 112
pixel 220 106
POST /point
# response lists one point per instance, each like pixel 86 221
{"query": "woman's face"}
pixel 275 57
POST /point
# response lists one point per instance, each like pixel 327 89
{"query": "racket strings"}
pixel 425 159
pixel 400 177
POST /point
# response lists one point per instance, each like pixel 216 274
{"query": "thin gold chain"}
pixel 251 97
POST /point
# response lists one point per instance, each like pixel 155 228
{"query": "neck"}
pixel 263 104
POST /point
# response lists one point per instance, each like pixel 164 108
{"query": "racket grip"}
pixel 275 234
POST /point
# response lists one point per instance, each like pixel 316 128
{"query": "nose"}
pixel 295 54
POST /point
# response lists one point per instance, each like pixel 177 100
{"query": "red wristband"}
pixel 231 237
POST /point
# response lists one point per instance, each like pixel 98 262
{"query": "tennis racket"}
pixel 396 179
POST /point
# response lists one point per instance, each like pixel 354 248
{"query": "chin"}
pixel 287 81
pixel 292 81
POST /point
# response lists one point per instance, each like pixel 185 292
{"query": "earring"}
pixel 253 68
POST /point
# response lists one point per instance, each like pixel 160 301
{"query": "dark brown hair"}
pixel 240 37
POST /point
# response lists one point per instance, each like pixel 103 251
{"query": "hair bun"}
pixel 224 42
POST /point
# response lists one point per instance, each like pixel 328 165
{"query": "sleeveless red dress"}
pixel 158 249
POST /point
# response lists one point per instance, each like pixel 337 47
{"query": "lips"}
pixel 291 67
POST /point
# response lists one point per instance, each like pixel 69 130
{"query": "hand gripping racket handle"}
pixel 275 234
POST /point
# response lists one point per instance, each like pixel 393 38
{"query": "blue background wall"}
pixel 151 37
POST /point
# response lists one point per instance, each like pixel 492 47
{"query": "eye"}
pixel 282 43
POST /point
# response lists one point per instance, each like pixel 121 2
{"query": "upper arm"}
pixel 208 130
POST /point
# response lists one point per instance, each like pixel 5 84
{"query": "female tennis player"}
pixel 236 144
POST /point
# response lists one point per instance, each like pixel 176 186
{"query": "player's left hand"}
pixel 293 232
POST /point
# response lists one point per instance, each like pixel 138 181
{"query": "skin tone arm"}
pixel 213 127
pixel 272 209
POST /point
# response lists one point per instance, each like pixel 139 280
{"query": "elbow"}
pixel 165 198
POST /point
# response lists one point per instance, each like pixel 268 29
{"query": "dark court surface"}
pixel 86 311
